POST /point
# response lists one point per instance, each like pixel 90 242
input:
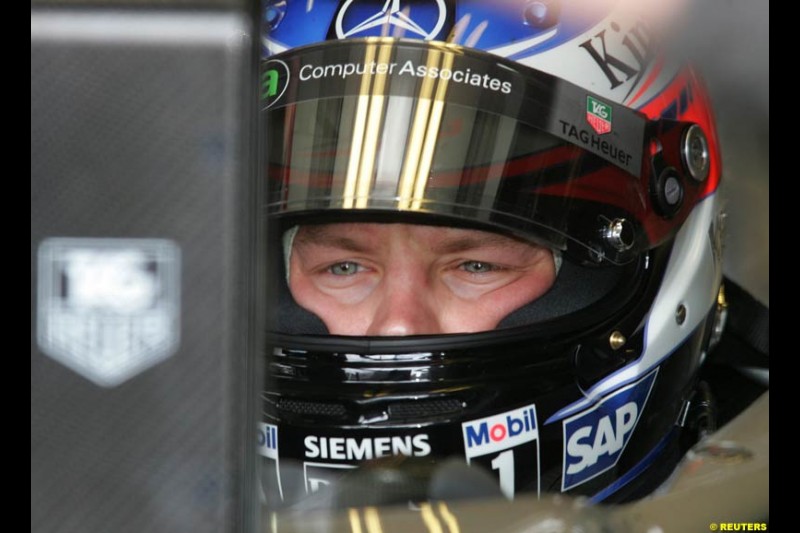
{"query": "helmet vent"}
pixel 300 407
pixel 422 409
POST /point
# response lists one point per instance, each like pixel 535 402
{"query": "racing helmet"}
pixel 560 124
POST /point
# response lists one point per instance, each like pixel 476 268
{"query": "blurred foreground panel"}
pixel 143 235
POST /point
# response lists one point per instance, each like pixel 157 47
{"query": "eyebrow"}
pixel 472 242
pixel 323 236
pixel 464 244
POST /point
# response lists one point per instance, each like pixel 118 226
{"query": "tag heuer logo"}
pixel 598 115
pixel 108 308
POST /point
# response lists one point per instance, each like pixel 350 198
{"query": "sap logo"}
pixel 595 439
pixel 267 440
pixel 500 432
pixel 606 441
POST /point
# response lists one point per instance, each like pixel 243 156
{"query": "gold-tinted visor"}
pixel 413 129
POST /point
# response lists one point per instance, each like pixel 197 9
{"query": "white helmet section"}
pixel 273 46
pixel 688 292
pixel 615 59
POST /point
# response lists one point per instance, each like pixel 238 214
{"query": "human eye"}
pixel 478 267
pixel 345 268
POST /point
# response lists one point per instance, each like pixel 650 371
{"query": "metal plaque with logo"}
pixel 108 308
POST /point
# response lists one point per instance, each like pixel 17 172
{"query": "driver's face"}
pixel 399 279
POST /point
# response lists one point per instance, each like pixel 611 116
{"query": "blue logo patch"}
pixel 594 440
pixel 500 432
pixel 506 444
pixel 267 440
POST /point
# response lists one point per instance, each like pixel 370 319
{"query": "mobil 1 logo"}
pixel 595 439
pixel 506 444
pixel 270 468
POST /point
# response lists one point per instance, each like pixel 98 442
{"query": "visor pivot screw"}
pixel 619 234
pixel 672 190
pixel 680 314
pixel 617 340
pixel 668 191
pixel 694 152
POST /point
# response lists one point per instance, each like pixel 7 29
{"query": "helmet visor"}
pixel 385 126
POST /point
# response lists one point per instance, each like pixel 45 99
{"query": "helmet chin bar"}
pixel 725 475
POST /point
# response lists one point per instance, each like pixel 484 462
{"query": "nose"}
pixel 406 306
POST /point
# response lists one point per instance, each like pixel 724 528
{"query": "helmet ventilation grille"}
pixel 421 409
pixel 301 407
